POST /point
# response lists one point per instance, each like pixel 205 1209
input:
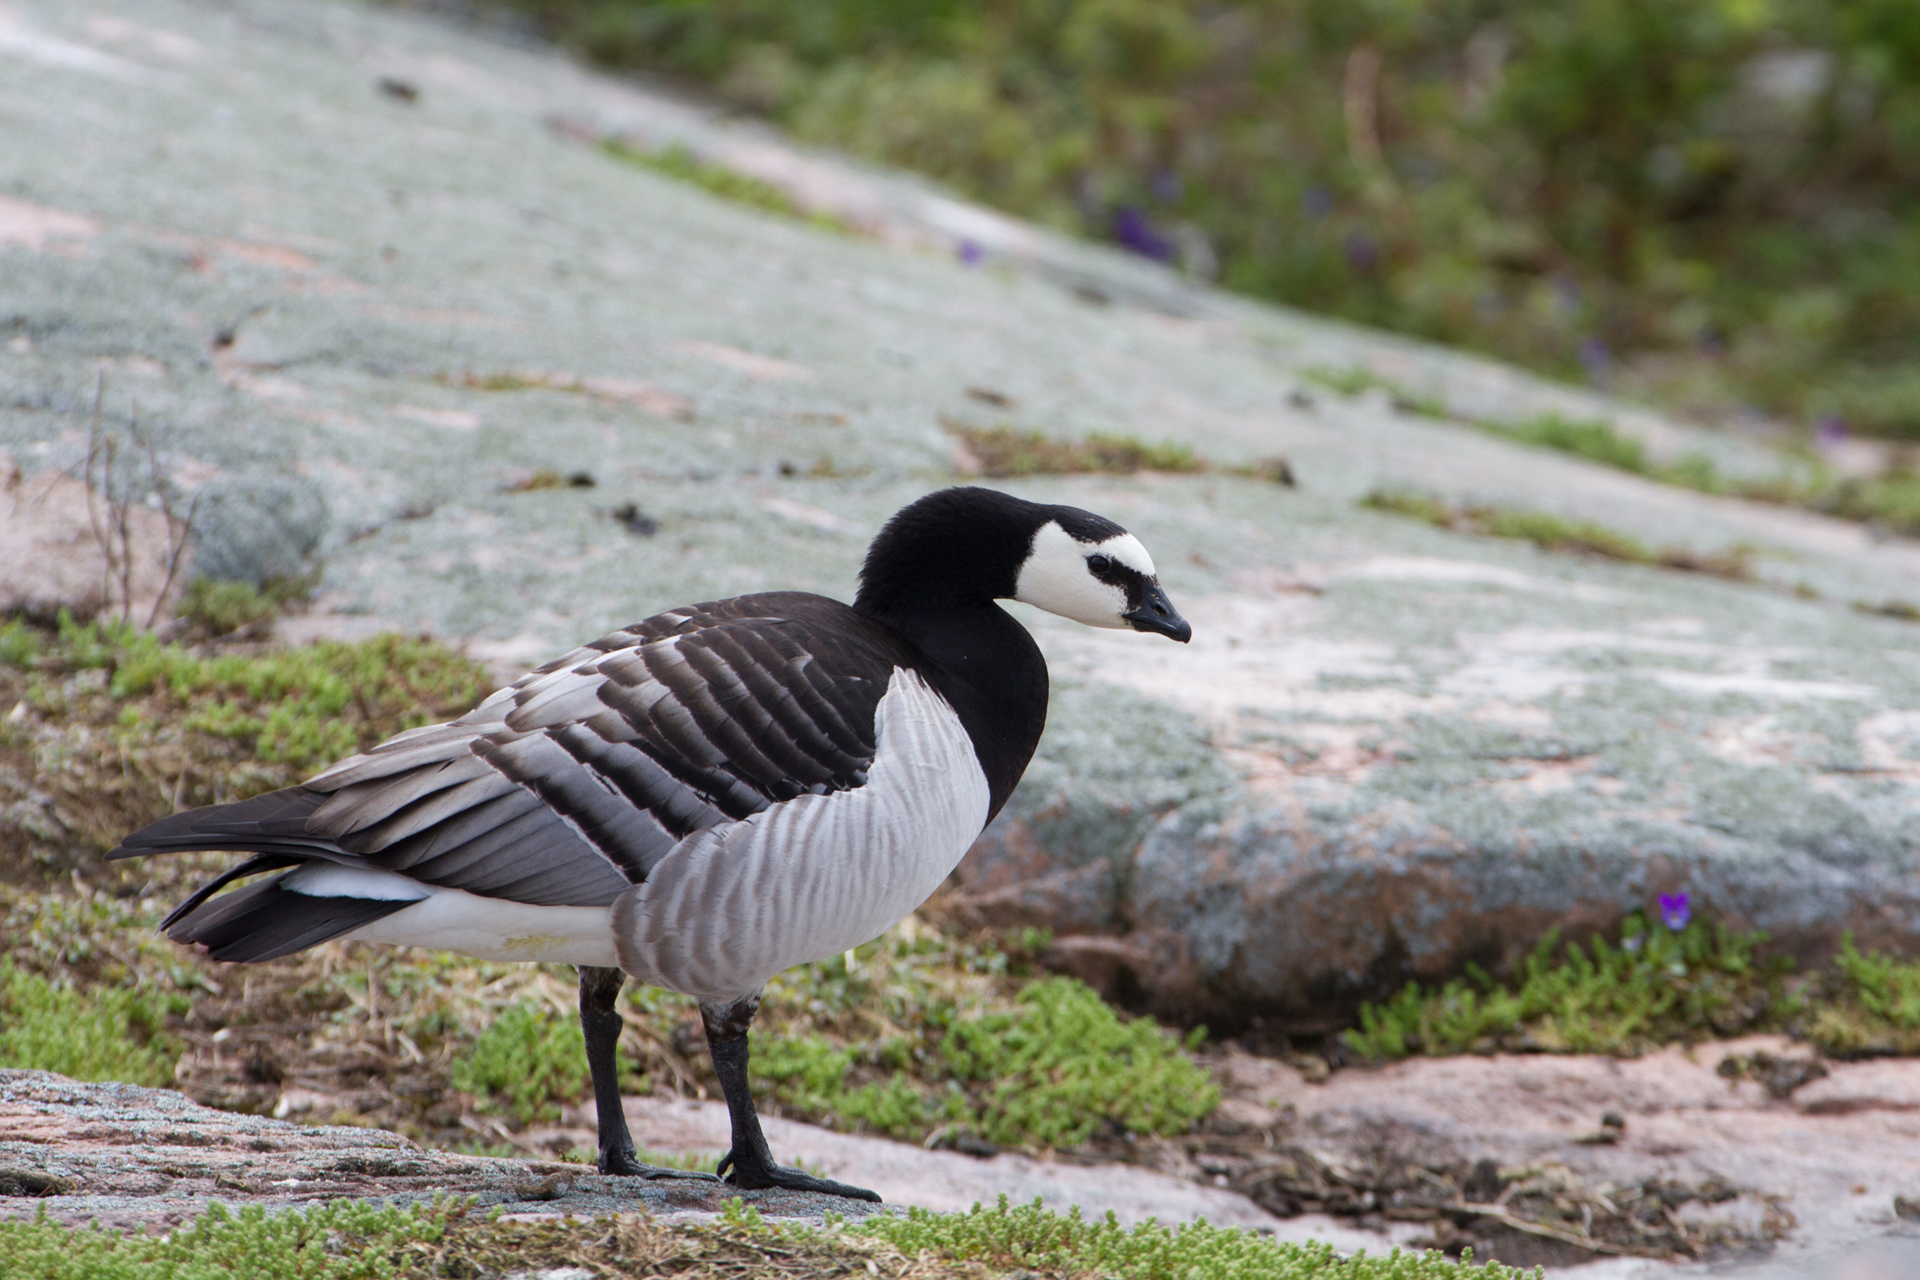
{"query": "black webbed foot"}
pixel 622 1162
pixel 764 1174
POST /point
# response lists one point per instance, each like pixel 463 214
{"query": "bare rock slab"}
pixel 135 1158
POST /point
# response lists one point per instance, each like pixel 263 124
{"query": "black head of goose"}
pixel 700 800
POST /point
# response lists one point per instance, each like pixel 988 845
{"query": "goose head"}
pixel 968 546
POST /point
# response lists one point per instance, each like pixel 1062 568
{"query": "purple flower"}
pixel 1831 431
pixel 1597 361
pixel 970 253
pixel 1133 230
pixel 1362 250
pixel 1675 911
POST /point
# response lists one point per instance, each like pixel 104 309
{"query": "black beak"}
pixel 1156 613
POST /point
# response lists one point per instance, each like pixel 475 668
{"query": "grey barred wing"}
pixel 570 786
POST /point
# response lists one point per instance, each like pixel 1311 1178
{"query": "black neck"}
pixel 989 668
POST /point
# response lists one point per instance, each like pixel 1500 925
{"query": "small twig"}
pixel 178 530
pixel 1553 1233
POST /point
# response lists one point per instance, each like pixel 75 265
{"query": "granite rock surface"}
pixel 371 328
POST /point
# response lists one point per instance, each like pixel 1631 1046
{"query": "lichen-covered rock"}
pixel 389 332
pixel 129 1157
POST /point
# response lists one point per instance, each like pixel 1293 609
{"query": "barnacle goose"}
pixel 700 800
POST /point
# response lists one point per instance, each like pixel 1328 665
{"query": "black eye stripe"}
pixel 1106 569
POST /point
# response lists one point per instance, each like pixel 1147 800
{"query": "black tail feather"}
pixel 272 823
pixel 252 866
pixel 265 921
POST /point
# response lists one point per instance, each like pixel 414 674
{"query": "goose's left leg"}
pixel 601 1024
pixel 751 1161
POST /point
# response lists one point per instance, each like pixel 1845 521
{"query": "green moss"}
pixel 303 707
pixel 677 161
pixel 1655 986
pixel 1047 1073
pixel 1869 1004
pixel 352 1240
pixel 345 1240
pixel 1352 381
pixel 1064 1063
pixel 1028 1240
pixel 105 1033
pixel 222 607
pixel 19 643
pixel 1598 441
pixel 526 1063
pixel 1552 532
pixel 1005 451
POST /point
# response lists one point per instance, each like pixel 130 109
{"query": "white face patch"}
pixel 1056 578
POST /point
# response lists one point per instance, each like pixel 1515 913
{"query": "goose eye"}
pixel 1099 564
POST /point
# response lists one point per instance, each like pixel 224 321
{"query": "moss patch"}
pixel 117 728
pixel 680 163
pixel 104 1034
pixel 528 1060
pixel 1556 533
pixel 1651 986
pixel 1003 451
pixel 353 1241
pixel 1047 1072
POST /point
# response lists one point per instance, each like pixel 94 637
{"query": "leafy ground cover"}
pixel 1003 451
pixel 1551 532
pixel 1709 203
pixel 678 162
pixel 1675 981
pixel 350 1241
pixel 110 727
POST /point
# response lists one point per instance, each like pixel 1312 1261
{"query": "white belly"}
pixel 455 920
pixel 817 875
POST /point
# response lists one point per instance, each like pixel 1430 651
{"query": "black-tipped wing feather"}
pixel 571 785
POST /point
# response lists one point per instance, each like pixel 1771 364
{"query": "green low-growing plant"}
pixel 528 1061
pixel 1064 1063
pixel 678 161
pixel 1552 532
pixel 106 1033
pixel 220 607
pixel 354 1240
pixel 304 707
pixel 1046 1073
pixel 1654 986
pixel 344 1240
pixel 1005 451
pixel 1869 1004
pixel 1352 381
pixel 1028 1239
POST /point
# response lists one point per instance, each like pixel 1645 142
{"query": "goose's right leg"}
pixel 600 1022
pixel 750 1163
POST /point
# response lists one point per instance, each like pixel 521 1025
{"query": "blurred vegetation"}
pixel 1005 450
pixel 1551 532
pixel 528 1060
pixel 1651 986
pixel 678 162
pixel 1713 201
pixel 1009 451
pixel 110 1034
